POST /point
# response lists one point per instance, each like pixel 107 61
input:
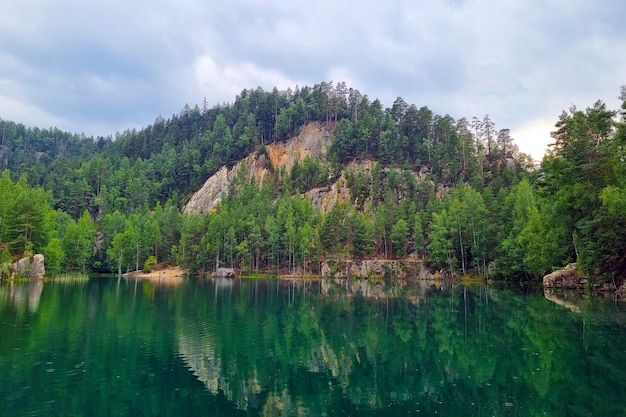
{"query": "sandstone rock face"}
pixel 568 277
pixel 324 199
pixel 373 268
pixel 37 267
pixel 33 268
pixel 313 140
pixel 224 273
pixel 215 188
pixel 209 196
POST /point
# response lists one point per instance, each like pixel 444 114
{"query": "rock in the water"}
pixel 568 277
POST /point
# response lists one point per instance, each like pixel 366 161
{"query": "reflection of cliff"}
pixel 567 299
pixel 379 289
pixel 246 388
pixel 207 366
pixel 267 346
pixel 257 355
pixel 256 378
pixel 22 296
pixel 202 361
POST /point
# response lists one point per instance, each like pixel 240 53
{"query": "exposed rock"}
pixel 372 268
pixel 568 277
pixel 31 267
pixel 37 268
pixel 324 199
pixel 216 187
pixel 511 163
pixel 205 200
pixel 311 141
pixel 224 273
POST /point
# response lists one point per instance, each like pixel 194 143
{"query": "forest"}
pixel 456 194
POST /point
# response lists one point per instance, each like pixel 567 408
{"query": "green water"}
pixel 117 347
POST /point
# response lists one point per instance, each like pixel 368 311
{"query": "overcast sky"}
pixel 99 67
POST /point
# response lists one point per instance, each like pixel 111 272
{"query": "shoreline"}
pixel 165 273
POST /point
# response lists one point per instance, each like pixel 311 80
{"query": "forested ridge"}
pixel 455 193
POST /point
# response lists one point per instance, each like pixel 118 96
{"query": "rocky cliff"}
pixel 32 267
pixel 216 187
pixel 313 140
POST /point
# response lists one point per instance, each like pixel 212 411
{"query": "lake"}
pixel 112 346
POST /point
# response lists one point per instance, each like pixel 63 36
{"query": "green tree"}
pixel 306 240
pixel 362 236
pixel 273 240
pixel 516 245
pixel 256 244
pixel 418 234
pixel 115 252
pixel 580 166
pixel 440 247
pixel 78 244
pixel 400 237
pixel 53 253
pixel 152 237
pixel 243 255
pixel 468 216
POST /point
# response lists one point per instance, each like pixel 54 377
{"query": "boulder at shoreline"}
pixel 568 277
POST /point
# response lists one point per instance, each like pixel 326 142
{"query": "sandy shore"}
pixel 172 275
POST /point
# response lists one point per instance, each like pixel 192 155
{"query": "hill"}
pixel 291 180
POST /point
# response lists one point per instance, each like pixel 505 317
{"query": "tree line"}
pixel 456 194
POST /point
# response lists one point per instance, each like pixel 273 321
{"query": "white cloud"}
pixel 113 64
pixel 225 82
pixel 533 137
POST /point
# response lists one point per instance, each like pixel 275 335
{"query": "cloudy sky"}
pixel 99 67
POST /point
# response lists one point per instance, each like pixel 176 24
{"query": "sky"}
pixel 99 67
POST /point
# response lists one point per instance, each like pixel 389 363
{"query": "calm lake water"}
pixel 118 347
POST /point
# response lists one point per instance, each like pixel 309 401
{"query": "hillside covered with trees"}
pixel 456 194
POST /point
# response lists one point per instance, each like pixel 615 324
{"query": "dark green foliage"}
pixel 580 189
pixel 456 193
pixel 400 237
pixel 25 220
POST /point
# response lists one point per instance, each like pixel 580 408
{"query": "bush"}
pixel 147 266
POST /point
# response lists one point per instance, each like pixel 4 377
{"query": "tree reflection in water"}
pixel 305 347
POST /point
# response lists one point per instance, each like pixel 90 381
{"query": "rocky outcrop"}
pixel 313 140
pixel 33 268
pixel 568 278
pixel 372 268
pixel 224 273
pixel 216 187
pixel 324 199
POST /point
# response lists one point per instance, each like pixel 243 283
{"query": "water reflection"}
pixel 305 347
pixel 22 296
pixel 571 300
pixel 385 346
